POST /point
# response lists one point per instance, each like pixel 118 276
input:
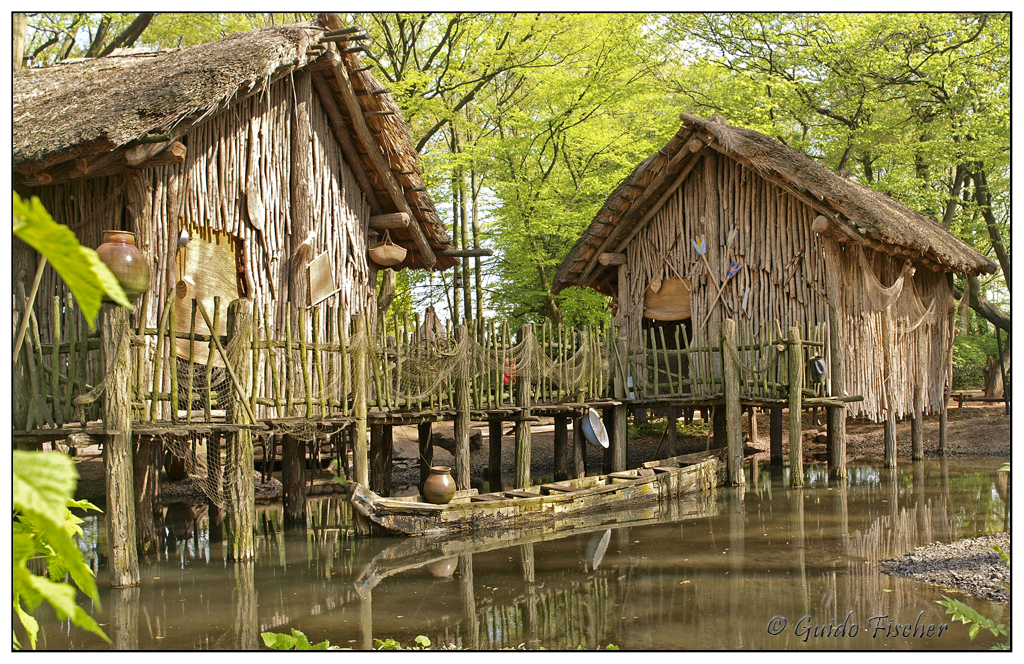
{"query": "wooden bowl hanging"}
pixel 386 253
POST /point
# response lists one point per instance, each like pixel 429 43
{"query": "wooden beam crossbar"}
pixel 377 159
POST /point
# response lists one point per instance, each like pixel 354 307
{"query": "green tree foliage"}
pixel 527 122
pixel 43 486
pixel 915 105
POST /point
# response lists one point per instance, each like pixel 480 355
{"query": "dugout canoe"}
pixel 404 554
pixel 469 511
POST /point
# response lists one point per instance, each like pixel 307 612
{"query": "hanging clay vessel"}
pixel 439 488
pixel 124 259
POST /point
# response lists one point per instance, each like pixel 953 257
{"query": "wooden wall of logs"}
pixel 782 244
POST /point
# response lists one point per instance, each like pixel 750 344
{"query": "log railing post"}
pixel 117 418
pixel 733 410
pixel 426 449
pixel 360 447
pixel 239 482
pixel 462 406
pixel 561 447
pixel 619 444
pixel 796 386
pixel 579 458
pixel 494 454
pixel 523 434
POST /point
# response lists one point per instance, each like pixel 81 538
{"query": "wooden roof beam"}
pixel 344 136
pixel 648 191
pixel 108 163
pixel 380 165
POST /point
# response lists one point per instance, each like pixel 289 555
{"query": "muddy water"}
pixel 761 567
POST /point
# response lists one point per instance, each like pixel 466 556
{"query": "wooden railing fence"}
pixel 307 369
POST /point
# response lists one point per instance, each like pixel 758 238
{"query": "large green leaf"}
pixel 42 485
pixel 80 267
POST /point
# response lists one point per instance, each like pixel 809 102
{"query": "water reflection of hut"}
pixel 804 247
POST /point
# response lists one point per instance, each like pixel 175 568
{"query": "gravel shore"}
pixel 968 566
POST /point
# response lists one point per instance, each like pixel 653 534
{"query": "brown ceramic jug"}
pixel 124 259
pixel 439 488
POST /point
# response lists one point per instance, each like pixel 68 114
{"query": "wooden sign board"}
pixel 321 279
pixel 211 265
pixel 670 302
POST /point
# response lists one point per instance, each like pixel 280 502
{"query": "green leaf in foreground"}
pixel 42 488
pixel 80 267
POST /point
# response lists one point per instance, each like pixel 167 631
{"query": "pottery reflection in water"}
pixel 439 488
pixel 443 569
pixel 119 253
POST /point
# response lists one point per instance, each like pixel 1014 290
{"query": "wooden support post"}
pixel 522 430
pixel 123 557
pixel 423 431
pixel 889 458
pixel 775 436
pixel 382 444
pixel 145 476
pixel 494 454
pixel 837 442
pixel 579 450
pixel 293 480
pixel 671 434
pixel 608 417
pixel 796 386
pixel 462 406
pixel 944 422
pixel 240 483
pixel 561 447
pixel 917 423
pixel 360 451
pixel 733 410
pixel 619 445
pixel 752 424
pixel 718 434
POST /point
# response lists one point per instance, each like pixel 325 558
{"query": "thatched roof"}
pixel 96 109
pixel 855 213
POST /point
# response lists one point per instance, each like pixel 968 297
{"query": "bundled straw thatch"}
pixel 853 212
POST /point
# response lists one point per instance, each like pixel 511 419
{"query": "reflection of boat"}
pixel 411 553
pixel 468 511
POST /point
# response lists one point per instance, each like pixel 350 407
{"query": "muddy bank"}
pixel 968 566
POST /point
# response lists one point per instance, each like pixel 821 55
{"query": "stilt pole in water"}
pixel 117 417
pixel 796 386
pixel 239 482
pixel 733 410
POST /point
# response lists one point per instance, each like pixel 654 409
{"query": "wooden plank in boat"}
pixel 559 487
pixel 521 494
pixel 485 497
pixel 664 469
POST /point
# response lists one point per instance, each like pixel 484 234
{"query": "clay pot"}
pixel 120 254
pixel 443 569
pixel 439 488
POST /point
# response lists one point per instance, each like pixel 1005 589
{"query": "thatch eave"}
pixel 857 213
pixel 77 119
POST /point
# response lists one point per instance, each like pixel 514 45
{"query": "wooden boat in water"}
pixel 469 511
pixel 442 552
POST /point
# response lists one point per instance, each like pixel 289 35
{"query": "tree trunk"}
pixel 20 29
pixel 994 374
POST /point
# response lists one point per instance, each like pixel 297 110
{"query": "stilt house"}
pixel 725 222
pixel 276 152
